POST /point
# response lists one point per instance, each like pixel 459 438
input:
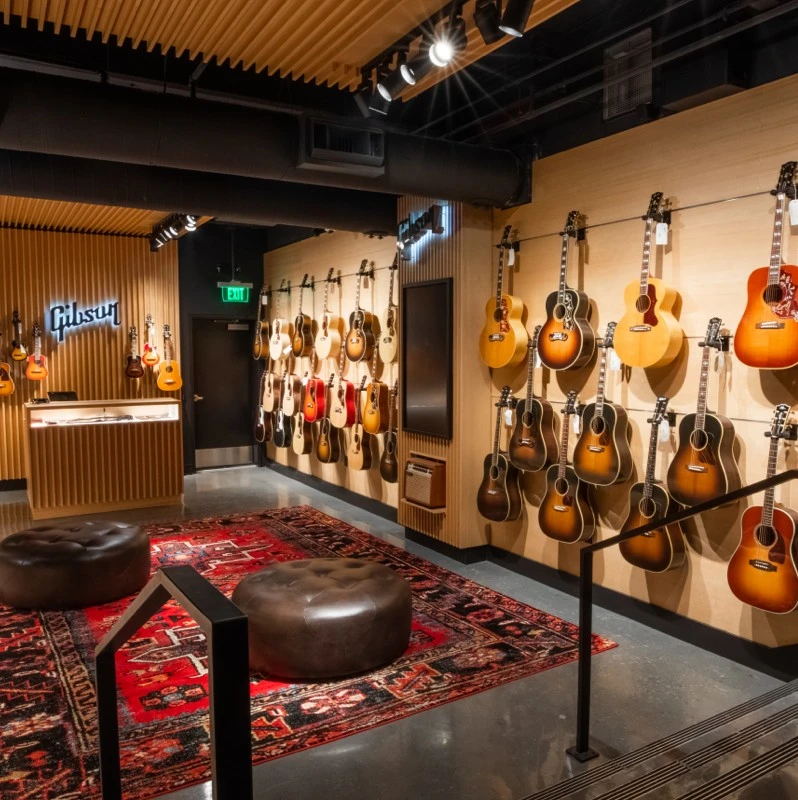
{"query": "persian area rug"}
pixel 465 639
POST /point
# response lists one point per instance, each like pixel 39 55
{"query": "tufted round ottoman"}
pixel 325 617
pixel 74 566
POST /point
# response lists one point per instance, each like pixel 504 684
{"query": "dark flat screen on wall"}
pixel 427 358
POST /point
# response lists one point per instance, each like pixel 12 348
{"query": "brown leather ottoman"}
pixel 74 566
pixel 324 617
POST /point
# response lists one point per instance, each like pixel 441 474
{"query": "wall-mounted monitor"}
pixel 427 356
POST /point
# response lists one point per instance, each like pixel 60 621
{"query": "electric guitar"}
pixel 328 338
pixel 292 393
pixel 18 349
pixel 133 366
pixel 389 466
pixel 359 452
pixel 272 389
pixel 302 441
pixel 767 336
pixel 263 418
pixel 566 340
pixel 315 403
pixel 280 342
pixel 663 548
pixel 704 466
pixel 6 381
pixel 342 411
pixel 503 339
pixel 302 340
pixel 389 338
pixel 499 494
pixel 565 513
pixel 532 443
pixel 375 415
pixel 150 357
pixel 602 456
pixel 328 446
pixel 259 346
pixel 37 363
pixel 360 339
pixel 648 334
pixel 763 571
pixel 169 379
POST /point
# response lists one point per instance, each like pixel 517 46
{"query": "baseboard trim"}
pixel 13 485
pixel 778 662
pixel 467 555
pixel 341 493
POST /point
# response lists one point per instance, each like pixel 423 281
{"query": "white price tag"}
pixel 305 379
pixel 287 350
pixel 508 416
pixel 538 362
pixel 720 361
pixel 264 299
pixel 664 431
pixel 793 212
pixel 511 257
pixel 661 235
pixel 576 424
pixel 615 362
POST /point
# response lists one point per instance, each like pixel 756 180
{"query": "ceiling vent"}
pixel 333 147
pixel 627 95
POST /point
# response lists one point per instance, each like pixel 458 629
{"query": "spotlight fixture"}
pixel 415 69
pixel 391 86
pixel 171 228
pixel 516 16
pixel 487 16
pixel 446 45
pixel 378 104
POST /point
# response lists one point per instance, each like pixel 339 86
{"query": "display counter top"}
pixel 102 412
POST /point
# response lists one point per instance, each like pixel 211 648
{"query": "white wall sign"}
pixel 69 317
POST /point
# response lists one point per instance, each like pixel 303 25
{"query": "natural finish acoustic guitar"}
pixel 663 548
pixel 533 444
pixel 302 438
pixel 763 572
pixel 328 338
pixel 648 334
pixel 169 379
pixel 134 369
pixel 389 337
pixel 292 393
pixel 358 456
pixel 37 363
pixel 767 336
pixel 360 339
pixel 6 381
pixel 263 419
pixel 280 341
pixel 272 389
pixel 704 466
pixel 566 339
pixel 342 411
pixel 565 513
pixel 302 340
pixel 328 445
pixel 601 455
pixel 151 356
pixel 260 345
pixel 389 466
pixel 499 494
pixel 503 339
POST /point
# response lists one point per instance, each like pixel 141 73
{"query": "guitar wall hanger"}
pixel 307 284
pixel 285 289
pixel 336 279
pixel 509 245
pixel 789 433
pixel 722 345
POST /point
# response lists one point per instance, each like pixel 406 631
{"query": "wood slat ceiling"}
pixel 321 41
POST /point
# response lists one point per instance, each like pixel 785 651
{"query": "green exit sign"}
pixel 235 294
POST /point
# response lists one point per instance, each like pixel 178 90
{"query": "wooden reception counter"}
pixel 103 455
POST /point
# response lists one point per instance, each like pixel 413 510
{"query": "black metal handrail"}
pixel 582 751
pixel 225 628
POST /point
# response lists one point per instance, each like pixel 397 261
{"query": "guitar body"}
pixel 389 338
pixel 359 452
pixel 329 339
pixel 766 575
pixel 328 446
pixel 272 391
pixel 499 494
pixel 389 466
pixel 360 340
pixel 315 405
pixel 703 466
pixel 260 347
pixel 6 381
pixel 150 357
pixel 648 335
pixel 134 368
pixel 565 513
pixel 292 394
pixel 283 430
pixel 260 425
pixel 36 369
pixel 375 413
pixel 342 406
pixel 601 455
pixel 302 340
pixel 503 340
pixel 302 439
pixel 18 351
pixel 280 341
pixel 661 549
pixel 561 346
pixel 533 444
pixel 774 346
pixel 169 379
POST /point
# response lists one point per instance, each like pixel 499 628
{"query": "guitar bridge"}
pixel 770 325
pixel 640 328
pixel 594 448
pixel 496 337
pixel 560 508
pixel 765 566
pixel 696 468
pixel 558 337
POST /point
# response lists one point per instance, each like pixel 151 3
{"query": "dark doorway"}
pixel 223 392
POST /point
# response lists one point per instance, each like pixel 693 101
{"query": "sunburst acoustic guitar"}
pixel 6 381
pixel 358 455
pixel 389 466
pixel 328 444
pixel 360 339
pixel 302 340
pixel 260 344
pixel 37 363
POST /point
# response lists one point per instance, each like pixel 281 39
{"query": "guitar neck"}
pixel 703 384
pixel 651 461
pixel 645 268
pixel 530 378
pixel 775 248
pixel 563 269
pixel 563 463
pixel 357 294
pixel 500 278
pixel 770 494
pixel 601 383
pixel 496 432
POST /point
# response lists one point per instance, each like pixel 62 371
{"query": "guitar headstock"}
pixel 712 337
pixel 571 404
pixel 167 333
pixel 779 428
pixel 660 410
pixel 330 273
pixel 331 379
pixel 504 399
pixel 505 242
pixel 395 389
pixel 787 178
pixel 15 320
pixel 572 225
pixel 609 336
pixel 363 264
pixel 132 333
pixel 654 206
pixel 37 331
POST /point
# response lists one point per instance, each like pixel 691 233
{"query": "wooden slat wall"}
pixel 727 149
pixel 38 269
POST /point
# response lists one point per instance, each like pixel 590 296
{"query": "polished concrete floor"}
pixel 501 744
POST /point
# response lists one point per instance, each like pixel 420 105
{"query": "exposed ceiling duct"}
pixel 68 117
pixel 235 199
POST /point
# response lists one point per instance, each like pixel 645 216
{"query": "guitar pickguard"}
pixel 504 325
pixel 788 307
pixel 568 318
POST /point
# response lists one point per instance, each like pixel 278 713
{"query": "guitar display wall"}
pixel 42 268
pixel 700 159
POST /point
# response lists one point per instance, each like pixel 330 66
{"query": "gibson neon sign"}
pixel 413 229
pixel 70 317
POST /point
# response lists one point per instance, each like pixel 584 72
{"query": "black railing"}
pixel 582 751
pixel 225 628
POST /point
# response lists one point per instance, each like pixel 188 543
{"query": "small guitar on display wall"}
pixel 133 366
pixel 150 357
pixel 261 342
pixel 302 340
pixel 360 340
pixel 389 466
pixel 6 381
pixel 169 379
pixel 358 456
pixel 18 350
pixel 389 339
pixel 37 363
pixel 328 338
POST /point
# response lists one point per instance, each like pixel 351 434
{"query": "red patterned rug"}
pixel 466 638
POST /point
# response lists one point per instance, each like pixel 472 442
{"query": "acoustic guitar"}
pixel 280 341
pixel 602 456
pixel 302 340
pixel 272 389
pixel 151 356
pixel 389 466
pixel 565 513
pixel 532 443
pixel 18 350
pixel 763 572
pixel 342 412
pixel 389 338
pixel 499 494
pixel 6 381
pixel 359 452
pixel 292 393
pixel 283 429
pixel 37 363
pixel 704 466
pixel 566 339
pixel 133 367
pixel 503 339
pixel 328 338
pixel 360 339
pixel 261 341
pixel 328 446
pixel 375 414
pixel 263 418
pixel 314 406
pixel 648 333
pixel 663 548
pixel 302 440
pixel 169 379
pixel 767 336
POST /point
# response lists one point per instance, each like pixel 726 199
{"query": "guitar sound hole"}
pixel 773 294
pixel 561 486
pixel 765 535
pixel 647 507
pixel 559 311
pixel 598 425
pixel 495 472
pixel 528 419
pixel 643 303
pixel 498 315
pixel 699 440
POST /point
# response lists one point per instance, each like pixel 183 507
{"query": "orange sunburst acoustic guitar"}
pixel 260 345
pixel 150 357
pixel 763 571
pixel 37 363
pixel 767 336
pixel 169 379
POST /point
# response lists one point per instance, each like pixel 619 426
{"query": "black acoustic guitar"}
pixel 389 466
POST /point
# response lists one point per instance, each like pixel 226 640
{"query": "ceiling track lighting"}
pixel 171 228
pixel 449 42
pixel 516 16
pixel 487 18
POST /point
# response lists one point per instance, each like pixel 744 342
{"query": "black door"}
pixel 223 393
